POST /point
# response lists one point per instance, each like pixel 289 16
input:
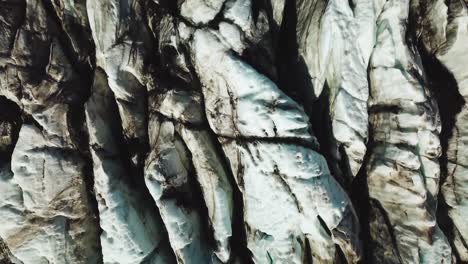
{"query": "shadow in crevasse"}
pixel 444 89
pixel 10 124
pixel 296 82
pixel 293 76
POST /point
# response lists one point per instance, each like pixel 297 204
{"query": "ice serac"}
pixel 403 170
pixel 265 136
pixel 71 20
pixel 443 32
pixel 170 178
pixel 216 188
pixel 200 11
pixel 46 208
pixel 313 48
pixel 47 215
pixel 348 28
pixel 122 45
pixel 132 228
pixel 190 185
pixel 277 11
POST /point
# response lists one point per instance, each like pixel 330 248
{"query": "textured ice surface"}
pixel 280 175
pixel 162 131
pixel 244 102
pixel 45 210
pixel 403 171
pixel 349 31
